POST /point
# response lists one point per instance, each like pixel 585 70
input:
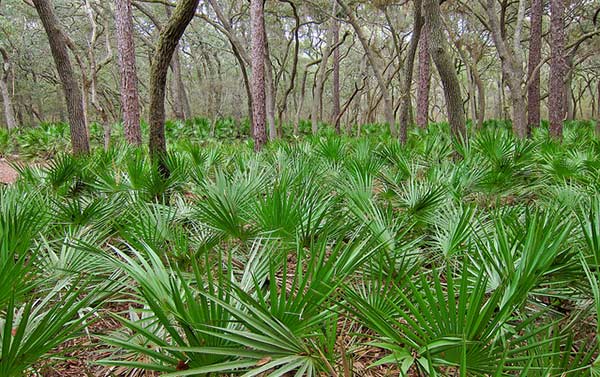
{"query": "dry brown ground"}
pixel 7 173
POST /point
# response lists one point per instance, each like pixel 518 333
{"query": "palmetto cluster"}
pixel 448 258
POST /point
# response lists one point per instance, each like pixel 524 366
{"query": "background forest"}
pixel 205 77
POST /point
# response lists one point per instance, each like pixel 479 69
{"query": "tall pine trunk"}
pixel 130 104
pixel 556 99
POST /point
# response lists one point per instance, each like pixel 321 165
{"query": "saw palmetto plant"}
pixel 323 257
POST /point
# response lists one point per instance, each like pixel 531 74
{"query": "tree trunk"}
pixel 424 81
pixel 318 87
pixel 270 93
pixel 9 111
pixel 512 67
pixel 377 69
pixel 163 53
pixel 556 100
pixel 9 114
pixel 335 115
pixel 181 105
pixel 72 90
pixel 130 103
pixel 480 99
pixel 259 105
pixel 598 110
pixel 445 67
pixel 405 101
pixel 177 89
pixel 284 100
pixel 535 58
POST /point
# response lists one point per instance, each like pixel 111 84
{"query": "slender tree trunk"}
pixel 424 81
pixel 72 90
pixel 318 87
pixel 9 114
pixel 178 88
pixel 335 115
pixel 284 100
pixel 130 103
pixel 405 100
pixel 556 98
pixel 163 53
pixel 481 98
pixel 472 91
pixel 9 111
pixel 259 106
pixel 377 69
pixel 598 110
pixel 270 93
pixel 444 64
pixel 512 67
pixel 568 95
pixel 535 57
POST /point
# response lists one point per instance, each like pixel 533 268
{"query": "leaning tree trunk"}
pixel 445 67
pixel 259 105
pixel 130 103
pixel 58 46
pixel 535 57
pixel 163 53
pixel 405 105
pixel 557 68
pixel 424 81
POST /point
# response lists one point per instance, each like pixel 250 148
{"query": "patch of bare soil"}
pixel 8 175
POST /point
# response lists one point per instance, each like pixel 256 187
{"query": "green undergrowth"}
pixel 319 256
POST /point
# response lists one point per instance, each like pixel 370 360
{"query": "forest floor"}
pixel 7 173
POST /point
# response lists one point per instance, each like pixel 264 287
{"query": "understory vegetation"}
pixel 323 256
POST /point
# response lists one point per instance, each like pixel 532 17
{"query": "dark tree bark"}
pixel 444 64
pixel 405 101
pixel 163 53
pixel 130 104
pixel 259 105
pixel 424 81
pixel 73 96
pixel 556 100
pixel 535 58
